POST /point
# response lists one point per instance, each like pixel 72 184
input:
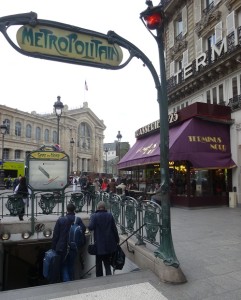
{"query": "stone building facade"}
pixel 81 135
pixel 203 61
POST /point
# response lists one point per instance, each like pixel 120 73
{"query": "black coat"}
pixel 61 231
pixel 106 235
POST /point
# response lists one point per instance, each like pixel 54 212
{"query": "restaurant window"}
pixel 214 95
pixel 202 182
pixel 208 97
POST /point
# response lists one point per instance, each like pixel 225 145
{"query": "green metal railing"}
pixel 129 213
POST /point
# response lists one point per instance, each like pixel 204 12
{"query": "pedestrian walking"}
pixel 106 238
pixel 60 242
pixel 23 191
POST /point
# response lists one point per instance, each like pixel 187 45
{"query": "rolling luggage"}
pixel 51 266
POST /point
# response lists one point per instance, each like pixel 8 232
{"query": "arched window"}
pixel 84 136
pixel 38 133
pixel 55 137
pixel 7 123
pixel 28 131
pixel 18 128
pixel 46 135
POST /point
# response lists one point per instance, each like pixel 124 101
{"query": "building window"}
pixel 208 4
pixel 46 135
pixel 178 28
pixel 28 131
pixel 85 136
pixel 178 70
pixel 27 154
pixel 208 96
pixel 17 154
pixel 214 95
pixel 234 87
pixel 7 123
pixel 5 154
pixel 54 137
pixel 220 91
pixel 38 133
pixel 18 129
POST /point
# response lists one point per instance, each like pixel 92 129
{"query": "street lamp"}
pixel 58 108
pixel 119 137
pixel 106 151
pixel 72 154
pixel 153 19
pixel 4 129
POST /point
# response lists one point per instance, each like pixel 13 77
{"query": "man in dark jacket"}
pixel 60 241
pixel 106 237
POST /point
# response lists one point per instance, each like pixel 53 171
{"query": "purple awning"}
pixel 205 144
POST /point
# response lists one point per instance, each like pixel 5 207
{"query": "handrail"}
pixel 136 218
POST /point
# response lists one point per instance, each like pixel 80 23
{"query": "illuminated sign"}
pixel 173 117
pixel 66 44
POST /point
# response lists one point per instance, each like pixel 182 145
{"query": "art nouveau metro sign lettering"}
pixel 58 42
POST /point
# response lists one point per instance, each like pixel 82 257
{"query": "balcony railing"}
pixel 173 82
pixel 208 8
pixel 235 103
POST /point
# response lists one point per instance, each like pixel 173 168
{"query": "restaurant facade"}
pixel 200 160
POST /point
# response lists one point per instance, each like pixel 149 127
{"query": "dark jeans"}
pixel 106 259
pixel 67 269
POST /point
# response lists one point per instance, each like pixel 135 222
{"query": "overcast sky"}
pixel 124 99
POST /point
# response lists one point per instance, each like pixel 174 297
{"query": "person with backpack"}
pixel 68 238
pixel 106 238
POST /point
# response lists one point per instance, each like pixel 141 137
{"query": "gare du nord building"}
pixel 202 41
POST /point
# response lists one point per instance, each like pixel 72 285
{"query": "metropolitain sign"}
pixel 63 43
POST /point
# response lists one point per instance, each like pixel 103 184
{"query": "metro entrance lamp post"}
pixel 4 129
pixel 58 108
pixel 72 155
pixel 106 151
pixel 119 137
pixel 153 19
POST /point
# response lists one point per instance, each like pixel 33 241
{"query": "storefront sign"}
pixel 215 142
pixel 202 61
pixel 63 43
pixel 173 117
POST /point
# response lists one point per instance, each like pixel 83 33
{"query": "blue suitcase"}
pixel 51 266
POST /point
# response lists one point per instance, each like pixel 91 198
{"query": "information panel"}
pixel 48 170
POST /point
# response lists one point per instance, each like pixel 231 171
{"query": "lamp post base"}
pixel 2 184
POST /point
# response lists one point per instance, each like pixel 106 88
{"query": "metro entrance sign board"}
pixel 63 43
pixel 47 169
